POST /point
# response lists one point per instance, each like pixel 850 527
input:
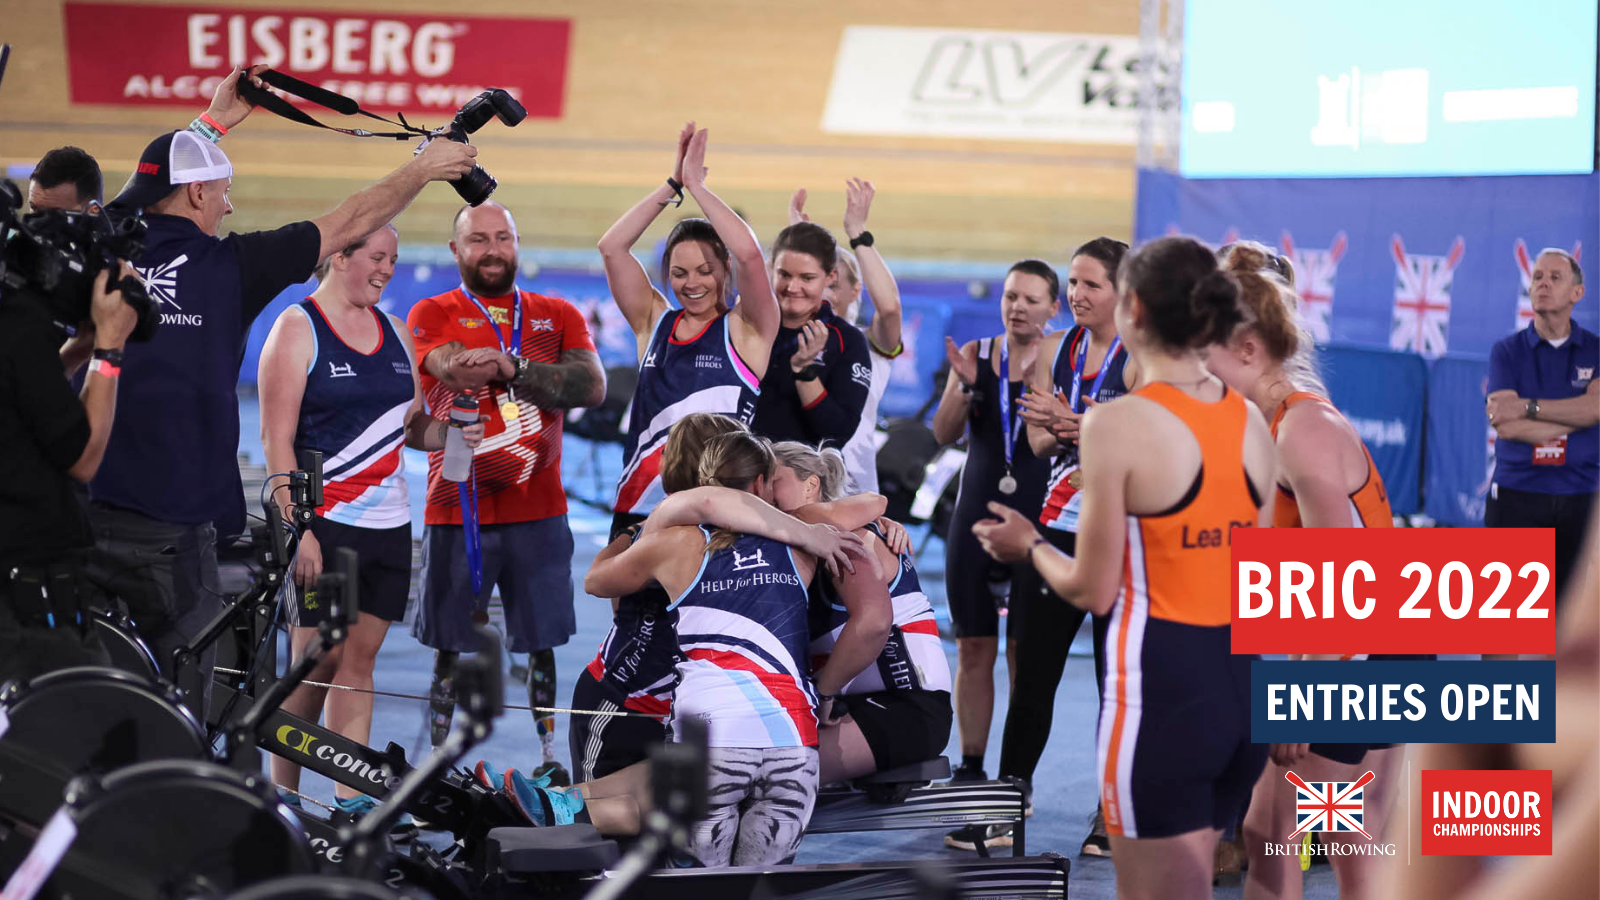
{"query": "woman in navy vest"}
pixel 338 376
pixel 700 358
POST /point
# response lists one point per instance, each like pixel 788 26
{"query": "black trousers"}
pixel 1568 514
pixel 166 577
pixel 1046 628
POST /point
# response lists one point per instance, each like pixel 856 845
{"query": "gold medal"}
pixel 1075 478
pixel 510 411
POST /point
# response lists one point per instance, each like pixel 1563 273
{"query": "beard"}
pixel 487 283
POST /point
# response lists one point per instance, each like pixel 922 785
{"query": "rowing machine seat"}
pixel 559 848
pixel 936 769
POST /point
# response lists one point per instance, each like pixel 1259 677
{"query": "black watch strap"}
pixel 111 356
pixel 809 373
pixel 677 188
pixel 864 239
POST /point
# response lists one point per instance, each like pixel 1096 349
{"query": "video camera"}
pixel 56 255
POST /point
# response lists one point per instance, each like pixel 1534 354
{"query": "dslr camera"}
pixel 476 186
pixel 55 256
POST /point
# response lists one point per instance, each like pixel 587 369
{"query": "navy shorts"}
pixel 531 564
pixel 383 570
pixel 1174 752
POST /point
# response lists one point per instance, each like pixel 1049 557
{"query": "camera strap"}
pixel 339 103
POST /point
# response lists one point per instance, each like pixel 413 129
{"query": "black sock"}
pixel 975 763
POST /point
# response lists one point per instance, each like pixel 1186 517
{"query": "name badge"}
pixel 1551 453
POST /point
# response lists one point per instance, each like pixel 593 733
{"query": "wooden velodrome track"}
pixel 756 72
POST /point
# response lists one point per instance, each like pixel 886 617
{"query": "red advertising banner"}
pixel 140 55
pixel 1393 590
pixel 1486 812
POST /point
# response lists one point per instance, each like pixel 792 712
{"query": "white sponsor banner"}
pixel 969 83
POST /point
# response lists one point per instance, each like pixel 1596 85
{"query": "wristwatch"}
pixel 809 373
pixel 1533 409
pixel 864 239
pixel 111 356
pixel 520 367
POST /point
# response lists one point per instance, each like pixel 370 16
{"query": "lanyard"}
pixel 1077 371
pixel 469 525
pixel 516 320
pixel 1008 433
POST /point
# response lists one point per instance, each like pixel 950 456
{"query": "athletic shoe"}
pixel 553 773
pixel 963 773
pixel 541 805
pixel 361 805
pixel 1098 843
pixel 487 775
pixel 993 836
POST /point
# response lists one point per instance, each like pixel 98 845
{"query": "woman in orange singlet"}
pixel 1326 479
pixel 1169 471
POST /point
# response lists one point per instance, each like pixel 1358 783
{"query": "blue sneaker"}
pixel 361 805
pixel 488 775
pixel 540 804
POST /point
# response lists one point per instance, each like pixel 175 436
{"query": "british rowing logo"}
pixel 1328 805
pixel 161 283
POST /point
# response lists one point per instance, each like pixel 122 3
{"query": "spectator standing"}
pixel 526 359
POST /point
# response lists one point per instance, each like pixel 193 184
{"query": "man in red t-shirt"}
pixel 527 358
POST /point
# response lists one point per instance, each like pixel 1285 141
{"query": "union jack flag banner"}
pixel 1421 321
pixel 1328 805
pixel 1525 273
pixel 1314 273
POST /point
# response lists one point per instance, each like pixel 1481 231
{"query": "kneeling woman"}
pixel 896 711
pixel 741 605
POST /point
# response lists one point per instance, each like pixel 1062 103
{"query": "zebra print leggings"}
pixel 760 802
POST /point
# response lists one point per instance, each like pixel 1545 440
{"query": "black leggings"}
pixel 1045 635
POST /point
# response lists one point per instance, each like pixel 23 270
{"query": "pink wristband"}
pixel 104 368
pixel 206 118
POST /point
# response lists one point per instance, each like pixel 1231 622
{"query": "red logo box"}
pixel 1486 812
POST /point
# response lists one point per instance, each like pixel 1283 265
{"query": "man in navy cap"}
pixel 170 481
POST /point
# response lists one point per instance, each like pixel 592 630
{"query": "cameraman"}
pixel 171 482
pixel 52 441
pixel 68 178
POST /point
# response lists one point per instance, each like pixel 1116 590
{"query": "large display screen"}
pixel 1388 87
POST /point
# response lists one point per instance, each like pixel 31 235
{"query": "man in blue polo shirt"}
pixel 1544 403
pixel 170 481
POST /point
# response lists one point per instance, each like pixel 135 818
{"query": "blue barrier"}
pixel 1383 394
pixel 1460 441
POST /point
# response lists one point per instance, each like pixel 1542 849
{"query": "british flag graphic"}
pixel 1525 273
pixel 1314 272
pixel 1422 299
pixel 1328 805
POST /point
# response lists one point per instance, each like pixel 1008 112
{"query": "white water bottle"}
pixel 457 455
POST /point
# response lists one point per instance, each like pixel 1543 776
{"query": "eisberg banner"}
pixel 386 62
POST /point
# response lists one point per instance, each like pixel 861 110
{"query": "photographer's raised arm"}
pixel 114 320
pixel 370 209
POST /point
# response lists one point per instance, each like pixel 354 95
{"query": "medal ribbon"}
pixel 1075 400
pixel 469 489
pixel 1007 430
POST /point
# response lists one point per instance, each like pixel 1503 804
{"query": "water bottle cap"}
pixel 466 401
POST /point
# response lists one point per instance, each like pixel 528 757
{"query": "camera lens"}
pixel 475 186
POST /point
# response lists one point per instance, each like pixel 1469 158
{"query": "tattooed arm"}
pixel 577 380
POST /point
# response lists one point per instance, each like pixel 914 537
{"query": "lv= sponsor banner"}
pixel 387 62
